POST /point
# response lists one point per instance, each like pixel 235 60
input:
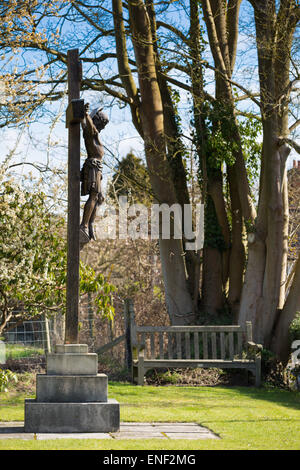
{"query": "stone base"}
pixel 71 397
pixel 71 417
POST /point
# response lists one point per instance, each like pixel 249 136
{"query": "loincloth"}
pixel 91 176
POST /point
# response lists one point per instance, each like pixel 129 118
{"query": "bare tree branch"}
pixel 290 142
pixel 293 126
pixel 174 30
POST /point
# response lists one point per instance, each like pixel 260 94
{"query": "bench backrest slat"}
pixel 240 344
pixel 196 345
pixel 161 345
pixel 170 345
pixel 178 345
pixel 205 345
pixel 231 345
pixel 152 346
pixel 187 345
pixel 222 345
pixel 214 345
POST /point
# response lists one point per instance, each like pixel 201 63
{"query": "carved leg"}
pixel 88 210
pixel 92 232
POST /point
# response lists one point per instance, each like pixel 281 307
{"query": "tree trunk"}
pixel 212 292
pixel 175 154
pixel 273 205
pixel 281 344
pixel 178 298
pixel 237 251
pixel 220 37
pixel 215 190
pixel 212 275
pixel 222 27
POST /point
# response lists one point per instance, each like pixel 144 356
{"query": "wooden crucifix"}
pixel 74 115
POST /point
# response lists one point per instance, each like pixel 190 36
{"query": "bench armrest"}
pixel 137 351
pixel 142 352
pixel 254 348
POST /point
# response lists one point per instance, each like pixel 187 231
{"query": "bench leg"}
pixel 141 373
pixel 246 376
pixel 257 372
pixel 134 374
pixel 141 369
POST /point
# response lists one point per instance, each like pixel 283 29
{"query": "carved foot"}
pixel 92 232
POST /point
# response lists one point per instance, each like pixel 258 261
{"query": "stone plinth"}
pixel 72 364
pixel 71 396
pixel 71 388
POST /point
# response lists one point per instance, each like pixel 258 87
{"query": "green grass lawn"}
pixel 18 351
pixel 244 417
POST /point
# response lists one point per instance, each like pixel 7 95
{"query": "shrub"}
pixel 294 329
pixel 5 377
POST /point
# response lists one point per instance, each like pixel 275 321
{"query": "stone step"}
pixel 72 364
pixel 71 388
pixel 71 348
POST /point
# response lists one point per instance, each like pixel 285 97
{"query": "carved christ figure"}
pixel 91 173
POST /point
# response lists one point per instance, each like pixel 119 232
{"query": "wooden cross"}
pixel 74 115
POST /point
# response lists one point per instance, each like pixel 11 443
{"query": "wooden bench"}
pixel 194 346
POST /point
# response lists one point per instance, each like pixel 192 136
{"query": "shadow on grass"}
pixel 288 398
pixel 194 394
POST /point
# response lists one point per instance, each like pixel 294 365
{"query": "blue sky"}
pixel 119 136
